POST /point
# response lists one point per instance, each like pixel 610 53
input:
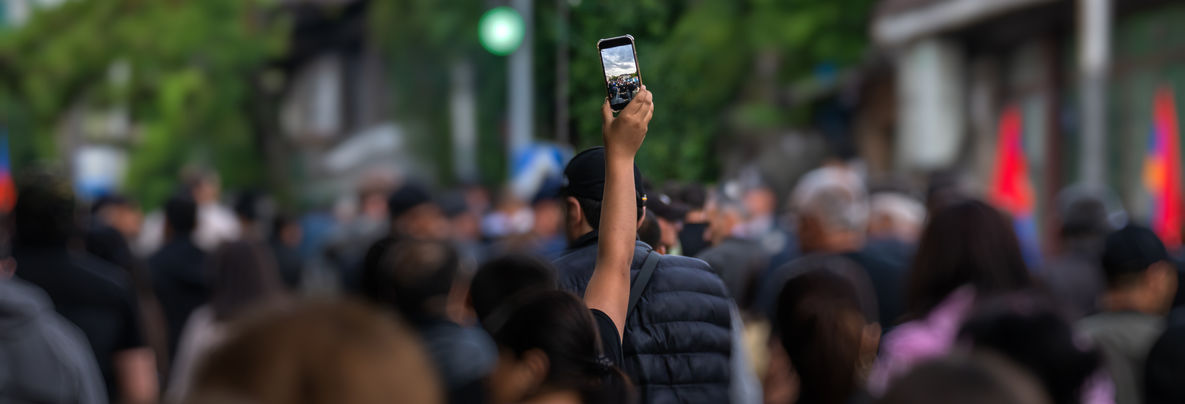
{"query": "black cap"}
pixel 666 208
pixel 584 177
pixel 405 198
pixel 1131 250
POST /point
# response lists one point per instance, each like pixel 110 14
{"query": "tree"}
pixel 193 68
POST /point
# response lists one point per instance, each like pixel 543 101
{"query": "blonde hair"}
pixel 318 352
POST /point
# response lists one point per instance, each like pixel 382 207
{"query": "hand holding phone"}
pixel 619 61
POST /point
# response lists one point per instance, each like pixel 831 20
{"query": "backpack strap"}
pixel 648 265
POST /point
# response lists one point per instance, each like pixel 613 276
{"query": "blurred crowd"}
pixel 834 293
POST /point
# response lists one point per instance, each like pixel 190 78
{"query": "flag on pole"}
pixel 1011 189
pixel 7 188
pixel 1162 170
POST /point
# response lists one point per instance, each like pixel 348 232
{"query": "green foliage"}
pixel 698 56
pixel 192 64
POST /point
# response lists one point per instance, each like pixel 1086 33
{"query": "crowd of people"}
pixel 623 88
pixel 603 289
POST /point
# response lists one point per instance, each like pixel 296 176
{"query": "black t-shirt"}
pixel 92 294
pixel 610 342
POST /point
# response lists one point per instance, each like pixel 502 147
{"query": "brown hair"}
pixel 318 352
pixel 244 275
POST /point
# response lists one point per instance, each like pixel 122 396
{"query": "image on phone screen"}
pixel 621 74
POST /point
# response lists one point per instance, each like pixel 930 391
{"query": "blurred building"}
pixel 967 74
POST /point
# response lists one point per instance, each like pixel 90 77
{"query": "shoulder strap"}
pixel 648 265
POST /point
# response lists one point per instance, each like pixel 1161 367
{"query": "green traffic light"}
pixel 501 30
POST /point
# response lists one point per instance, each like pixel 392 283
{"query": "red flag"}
pixel 1162 170
pixel 1011 189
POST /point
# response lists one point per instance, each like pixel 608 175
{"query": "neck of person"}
pixel 838 242
pixel 1132 300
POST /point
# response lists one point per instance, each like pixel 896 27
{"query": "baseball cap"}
pixel 666 208
pixel 1131 250
pixel 584 177
pixel 408 196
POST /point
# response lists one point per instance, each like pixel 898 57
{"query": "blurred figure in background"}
pixel 1074 274
pixel 252 209
pixel 501 279
pixel 738 259
pixel 1030 330
pixel 115 220
pixel 668 215
pixel 895 221
pixel 828 328
pixel 695 223
pixel 1141 283
pixel 243 277
pixel 464 226
pixel 46 359
pixel 284 241
pixel 764 227
pixel 420 280
pixel 95 296
pixel 547 226
pixel 967 380
pixel 318 353
pixel 179 274
pixel 215 222
pixel 968 251
pixel 415 214
pixel 510 217
pixel 360 221
pixel 1166 368
pixel 650 232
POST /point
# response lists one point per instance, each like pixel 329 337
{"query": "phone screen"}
pixel 621 74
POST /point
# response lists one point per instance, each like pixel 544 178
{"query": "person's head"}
pixel 414 277
pixel 547 343
pixel 584 189
pixel 694 195
pixel 761 201
pixel 181 215
pixel 44 212
pixel 650 232
pixel 203 184
pixel 1139 274
pixel 502 278
pixel 965 243
pixel 825 330
pixel 1165 368
pixel 286 230
pixel 244 276
pixel 966 380
pixel 414 213
pixel 549 217
pixel 832 208
pixel 463 223
pixel 317 353
pixel 895 216
pixel 118 212
pixel 727 212
pixel 1025 328
pixel 669 214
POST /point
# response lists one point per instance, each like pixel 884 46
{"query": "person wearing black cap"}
pixel 414 213
pixel 668 214
pixel 683 311
pixel 1140 287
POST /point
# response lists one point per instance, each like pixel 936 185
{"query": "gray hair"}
pixel 835 196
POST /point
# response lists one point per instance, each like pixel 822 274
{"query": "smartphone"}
pixel 619 61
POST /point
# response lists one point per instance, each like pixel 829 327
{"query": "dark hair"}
pixel 1165 368
pixel 409 274
pixel 965 380
pixel 244 276
pixel 44 212
pixel 181 213
pixel 561 326
pixel 694 195
pixel 821 325
pixel 650 233
pixel 966 243
pixel 1128 253
pixel 317 352
pixel 592 211
pixel 107 200
pixel 499 279
pixel 1025 328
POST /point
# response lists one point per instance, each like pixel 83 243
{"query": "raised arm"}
pixel 609 288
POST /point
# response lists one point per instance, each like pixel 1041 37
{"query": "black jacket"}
pixel 678 342
pixel 181 283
